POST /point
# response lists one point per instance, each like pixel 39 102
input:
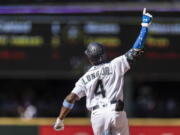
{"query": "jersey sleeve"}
pixel 121 64
pixel 79 89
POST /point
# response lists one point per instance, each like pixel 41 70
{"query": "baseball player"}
pixel 102 85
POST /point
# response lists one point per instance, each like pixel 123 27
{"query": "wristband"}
pixel 67 104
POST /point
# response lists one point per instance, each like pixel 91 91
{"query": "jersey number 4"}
pixel 101 91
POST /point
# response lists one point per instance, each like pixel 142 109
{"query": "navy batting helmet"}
pixel 96 53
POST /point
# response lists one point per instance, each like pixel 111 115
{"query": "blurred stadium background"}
pixel 41 57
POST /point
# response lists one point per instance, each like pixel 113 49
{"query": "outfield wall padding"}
pixel 80 126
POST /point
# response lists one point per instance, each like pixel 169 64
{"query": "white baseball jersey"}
pixel 103 83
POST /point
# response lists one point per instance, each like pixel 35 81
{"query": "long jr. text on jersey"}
pixel 89 77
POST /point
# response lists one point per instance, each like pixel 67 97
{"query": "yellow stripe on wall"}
pixel 86 121
pixel 42 121
pixel 154 122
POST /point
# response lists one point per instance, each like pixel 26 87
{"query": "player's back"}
pixel 104 82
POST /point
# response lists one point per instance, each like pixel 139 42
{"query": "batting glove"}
pixel 146 19
pixel 59 125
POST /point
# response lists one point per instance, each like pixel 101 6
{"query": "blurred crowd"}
pixel 157 99
pixel 36 98
pixel 43 98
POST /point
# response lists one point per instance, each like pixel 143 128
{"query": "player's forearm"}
pixel 65 109
pixel 146 22
pixel 67 106
pixel 139 43
pixel 136 50
pixel 138 46
pixel 64 112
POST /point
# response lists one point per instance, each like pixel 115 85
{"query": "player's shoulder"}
pixel 118 59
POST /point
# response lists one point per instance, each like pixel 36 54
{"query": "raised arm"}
pixel 138 46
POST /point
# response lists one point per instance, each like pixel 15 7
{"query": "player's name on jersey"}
pixel 97 73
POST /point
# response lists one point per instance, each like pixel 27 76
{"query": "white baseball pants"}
pixel 107 121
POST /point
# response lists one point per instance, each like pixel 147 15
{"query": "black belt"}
pixel 119 105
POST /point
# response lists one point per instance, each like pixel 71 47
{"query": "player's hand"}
pixel 59 125
pixel 146 19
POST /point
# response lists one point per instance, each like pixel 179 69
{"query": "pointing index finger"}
pixel 144 10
